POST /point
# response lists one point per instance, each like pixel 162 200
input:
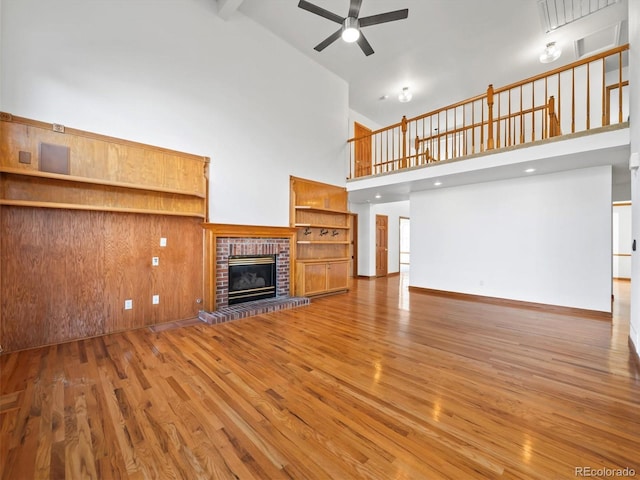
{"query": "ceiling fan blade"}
pixel 384 18
pixel 310 7
pixel 365 45
pixel 328 41
pixel 354 8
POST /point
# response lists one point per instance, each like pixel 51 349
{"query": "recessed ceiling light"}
pixel 378 195
pixel 438 183
pixel 530 170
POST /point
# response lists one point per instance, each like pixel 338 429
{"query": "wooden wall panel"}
pixel 65 274
pixel 102 158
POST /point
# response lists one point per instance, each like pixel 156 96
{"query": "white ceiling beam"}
pixel 227 7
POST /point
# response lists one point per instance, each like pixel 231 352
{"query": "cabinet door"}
pixel 338 275
pixel 315 278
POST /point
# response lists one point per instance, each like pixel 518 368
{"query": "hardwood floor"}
pixel 377 383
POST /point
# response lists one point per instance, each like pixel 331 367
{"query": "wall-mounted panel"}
pixel 65 274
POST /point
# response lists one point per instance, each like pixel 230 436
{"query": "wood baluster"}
pixel 573 100
pixel 620 87
pixel 605 109
pixel 588 98
pixel 490 117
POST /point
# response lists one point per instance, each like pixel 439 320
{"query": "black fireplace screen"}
pixel 251 278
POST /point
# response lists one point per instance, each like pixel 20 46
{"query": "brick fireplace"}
pixel 225 240
pixel 230 247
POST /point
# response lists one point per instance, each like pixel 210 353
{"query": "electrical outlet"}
pixel 128 304
pixel 163 242
pixel 155 261
pixel 156 299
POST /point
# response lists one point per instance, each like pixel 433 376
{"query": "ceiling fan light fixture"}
pixel 350 30
pixel 405 96
pixel 551 53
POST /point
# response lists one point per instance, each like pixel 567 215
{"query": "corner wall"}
pixel 543 239
pixel 634 126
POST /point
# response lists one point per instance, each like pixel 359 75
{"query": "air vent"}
pixel 557 13
pixel 599 41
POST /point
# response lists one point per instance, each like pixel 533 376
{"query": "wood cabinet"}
pixel 317 277
pixel 319 214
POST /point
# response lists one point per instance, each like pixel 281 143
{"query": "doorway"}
pixel 362 150
pixel 382 245
pixel 405 244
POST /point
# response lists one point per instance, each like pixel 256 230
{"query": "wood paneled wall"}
pixel 49 165
pixel 81 216
pixel 65 274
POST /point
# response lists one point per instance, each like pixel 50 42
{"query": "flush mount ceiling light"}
pixel 405 96
pixel 551 53
pixel 350 32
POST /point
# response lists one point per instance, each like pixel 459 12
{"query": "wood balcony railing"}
pixel 587 94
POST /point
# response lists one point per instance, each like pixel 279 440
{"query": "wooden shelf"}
pixel 322 242
pixel 96 181
pixel 315 225
pixel 318 209
pixel 321 260
pixel 97 208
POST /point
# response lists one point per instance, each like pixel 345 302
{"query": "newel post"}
pixel 554 124
pixel 490 118
pixel 403 125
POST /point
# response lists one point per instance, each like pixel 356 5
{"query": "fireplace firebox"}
pixel 251 277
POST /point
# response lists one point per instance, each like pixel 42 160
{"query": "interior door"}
pixel 382 245
pixel 362 150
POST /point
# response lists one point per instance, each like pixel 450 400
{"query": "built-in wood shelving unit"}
pixel 49 166
pixel 319 214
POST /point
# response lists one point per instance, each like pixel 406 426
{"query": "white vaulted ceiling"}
pixel 445 51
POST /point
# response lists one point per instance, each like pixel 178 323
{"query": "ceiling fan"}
pixel 351 24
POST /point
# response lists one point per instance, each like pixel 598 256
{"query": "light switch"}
pixel 163 242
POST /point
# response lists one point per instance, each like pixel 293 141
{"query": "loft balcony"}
pixel 572 117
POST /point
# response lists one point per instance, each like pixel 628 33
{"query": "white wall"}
pixel 367 234
pixel 621 240
pixel 543 239
pixel 172 73
pixel 634 125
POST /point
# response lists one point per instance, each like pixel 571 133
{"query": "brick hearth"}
pixel 224 240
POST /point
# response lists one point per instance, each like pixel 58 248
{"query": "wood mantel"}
pixel 225 230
